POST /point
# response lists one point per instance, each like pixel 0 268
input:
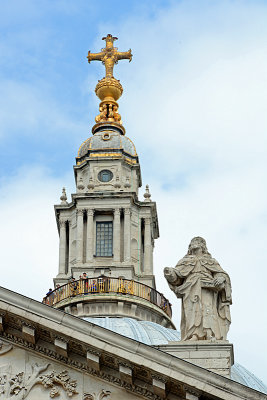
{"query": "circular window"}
pixel 105 175
pixel 106 136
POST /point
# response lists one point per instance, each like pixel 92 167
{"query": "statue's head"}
pixel 197 243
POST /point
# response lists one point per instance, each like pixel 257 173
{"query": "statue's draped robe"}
pixel 203 305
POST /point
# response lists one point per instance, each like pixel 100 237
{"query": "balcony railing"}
pixel 104 285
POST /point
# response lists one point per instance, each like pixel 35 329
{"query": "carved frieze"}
pixel 96 396
pixel 5 347
pixel 18 386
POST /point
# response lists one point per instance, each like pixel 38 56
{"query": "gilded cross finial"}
pixel 109 89
pixel 110 55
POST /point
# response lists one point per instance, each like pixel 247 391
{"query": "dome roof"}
pixel 242 375
pixel 143 331
pixel 153 334
pixel 107 138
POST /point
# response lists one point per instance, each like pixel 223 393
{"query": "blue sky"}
pixel 194 104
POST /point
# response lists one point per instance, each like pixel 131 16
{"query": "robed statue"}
pixel 205 290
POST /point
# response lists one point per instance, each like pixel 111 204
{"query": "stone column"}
pixel 79 237
pixel 127 234
pixel 147 247
pixel 90 235
pixel 117 235
pixel 71 255
pixel 62 247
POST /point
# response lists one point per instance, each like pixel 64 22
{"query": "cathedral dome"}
pixel 108 138
pixel 143 331
pixel 153 334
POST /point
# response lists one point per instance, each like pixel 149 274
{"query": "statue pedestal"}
pixel 216 356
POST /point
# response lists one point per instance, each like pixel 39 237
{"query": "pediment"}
pixel 96 359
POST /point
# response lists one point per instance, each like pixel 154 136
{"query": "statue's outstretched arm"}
pixel 172 276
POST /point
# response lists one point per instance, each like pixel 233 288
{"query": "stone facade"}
pixel 60 354
pixel 216 357
pixel 25 375
pixel 134 222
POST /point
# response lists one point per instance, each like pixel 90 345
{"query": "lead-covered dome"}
pixel 107 140
pixel 153 334
pixel 143 331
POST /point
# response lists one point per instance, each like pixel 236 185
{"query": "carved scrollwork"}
pixel 61 338
pixel 96 396
pixel 5 347
pixel 63 379
pixel 47 352
pixel 62 223
pixel 90 211
pixel 79 212
pixel 19 386
pixel 159 378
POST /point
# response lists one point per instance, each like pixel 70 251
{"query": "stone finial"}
pixel 147 194
pixel 63 197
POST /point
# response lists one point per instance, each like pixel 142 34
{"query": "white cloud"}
pixel 28 235
pixel 29 110
pixel 194 104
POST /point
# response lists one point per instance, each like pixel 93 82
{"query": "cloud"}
pixel 195 108
pixel 28 235
pixel 194 104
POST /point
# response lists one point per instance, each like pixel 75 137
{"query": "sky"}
pixel 194 103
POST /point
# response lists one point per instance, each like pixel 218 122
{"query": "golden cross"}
pixel 110 55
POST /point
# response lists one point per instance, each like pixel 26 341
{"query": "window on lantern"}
pixel 105 175
pixel 104 239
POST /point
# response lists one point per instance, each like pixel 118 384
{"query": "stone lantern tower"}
pixel 106 232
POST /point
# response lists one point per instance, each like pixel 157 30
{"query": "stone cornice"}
pixel 114 350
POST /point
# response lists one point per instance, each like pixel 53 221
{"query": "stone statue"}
pixel 205 290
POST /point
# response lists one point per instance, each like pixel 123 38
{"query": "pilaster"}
pixel 147 246
pixel 90 235
pixel 79 236
pixel 62 247
pixel 127 234
pixel 116 234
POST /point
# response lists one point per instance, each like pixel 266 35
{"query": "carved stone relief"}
pixel 7 372
pixel 20 385
pixel 96 396
pixel 5 347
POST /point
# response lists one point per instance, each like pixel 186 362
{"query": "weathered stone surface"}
pixel 27 376
pixel 147 362
pixel 205 290
pixel 216 357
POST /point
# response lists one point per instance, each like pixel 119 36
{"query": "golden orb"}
pixel 108 88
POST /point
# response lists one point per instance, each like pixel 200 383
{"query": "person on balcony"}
pixel 84 277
